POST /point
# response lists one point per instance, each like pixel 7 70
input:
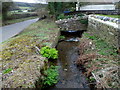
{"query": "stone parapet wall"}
pixel 108 31
pixel 72 24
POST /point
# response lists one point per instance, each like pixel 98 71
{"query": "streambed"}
pixel 69 75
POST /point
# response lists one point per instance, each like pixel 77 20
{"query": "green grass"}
pixel 25 8
pixel 10 13
pixel 113 16
pixel 17 20
pixel 102 47
pixel 106 57
pixel 7 70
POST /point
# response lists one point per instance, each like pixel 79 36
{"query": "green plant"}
pixel 102 47
pixel 49 52
pixel 84 21
pixel 62 16
pixel 7 70
pixel 62 37
pixel 51 76
pixel 93 37
pixel 80 14
pixel 92 79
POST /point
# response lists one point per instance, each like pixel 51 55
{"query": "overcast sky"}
pixel 44 1
pixel 31 1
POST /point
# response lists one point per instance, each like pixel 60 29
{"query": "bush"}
pixel 49 52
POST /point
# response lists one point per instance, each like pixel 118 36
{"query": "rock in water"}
pixel 72 40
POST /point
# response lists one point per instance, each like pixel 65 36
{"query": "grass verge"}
pixel 17 20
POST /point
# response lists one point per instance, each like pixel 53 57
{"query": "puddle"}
pixel 69 75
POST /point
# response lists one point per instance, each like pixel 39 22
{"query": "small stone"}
pixel 90 43
pixel 65 69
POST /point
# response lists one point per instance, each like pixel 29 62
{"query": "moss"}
pixel 19 53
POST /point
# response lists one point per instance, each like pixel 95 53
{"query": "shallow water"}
pixel 69 75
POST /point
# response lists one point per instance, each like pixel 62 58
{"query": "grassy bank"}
pixel 8 22
pixel 100 60
pixel 20 56
pixel 113 16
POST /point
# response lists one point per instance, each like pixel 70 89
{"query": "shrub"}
pixel 49 52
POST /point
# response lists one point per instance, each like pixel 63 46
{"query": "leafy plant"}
pixel 62 37
pixel 51 76
pixel 49 52
pixel 7 70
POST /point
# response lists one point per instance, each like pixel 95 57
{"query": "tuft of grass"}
pixel 7 70
pixel 62 37
pixel 102 47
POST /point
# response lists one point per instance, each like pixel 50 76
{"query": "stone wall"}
pixel 72 24
pixel 106 30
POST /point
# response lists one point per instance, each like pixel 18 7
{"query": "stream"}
pixel 69 75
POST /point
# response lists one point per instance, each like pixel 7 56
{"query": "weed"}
pixel 51 76
pixel 62 16
pixel 102 47
pixel 49 52
pixel 93 37
pixel 62 37
pixel 84 21
pixel 7 70
pixel 92 79
pixel 80 14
